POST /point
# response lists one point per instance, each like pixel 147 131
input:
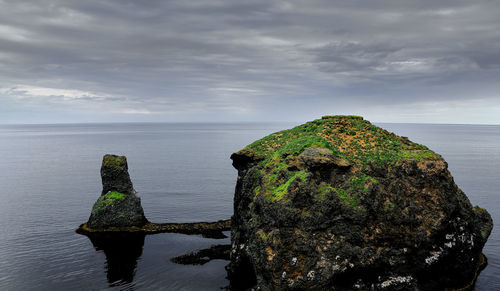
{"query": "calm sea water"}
pixel 49 180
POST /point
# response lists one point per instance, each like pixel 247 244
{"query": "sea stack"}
pixel 119 206
pixel 340 204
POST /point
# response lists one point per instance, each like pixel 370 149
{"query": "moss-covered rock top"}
pixel 348 137
pixel 291 157
pixel 113 161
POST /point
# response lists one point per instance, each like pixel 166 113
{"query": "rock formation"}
pixel 115 176
pixel 119 204
pixel 340 204
pixel 119 209
pixel 117 226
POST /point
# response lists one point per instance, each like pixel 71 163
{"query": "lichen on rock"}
pixel 338 203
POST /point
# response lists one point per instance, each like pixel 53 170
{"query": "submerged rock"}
pixel 338 203
pixel 119 204
pixel 201 257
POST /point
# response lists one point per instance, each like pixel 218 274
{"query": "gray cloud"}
pixel 241 60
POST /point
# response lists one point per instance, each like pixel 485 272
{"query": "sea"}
pixel 49 180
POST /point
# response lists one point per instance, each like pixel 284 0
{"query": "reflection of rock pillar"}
pixel 122 251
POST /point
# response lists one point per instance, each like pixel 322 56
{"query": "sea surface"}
pixel 49 180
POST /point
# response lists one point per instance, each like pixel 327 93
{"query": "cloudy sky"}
pixel 262 60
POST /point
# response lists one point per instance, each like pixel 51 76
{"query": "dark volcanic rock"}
pixel 206 229
pixel 119 205
pixel 201 257
pixel 114 175
pixel 116 209
pixel 340 204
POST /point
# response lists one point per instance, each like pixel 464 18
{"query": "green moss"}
pixel 263 235
pixel 323 191
pixel 291 142
pixel 479 210
pixel 273 178
pixel 419 155
pixel 114 161
pixel 281 166
pixel 361 182
pixel 277 193
pixel 106 200
pixel 348 137
pixel 346 197
pixel 341 193
pixel 114 195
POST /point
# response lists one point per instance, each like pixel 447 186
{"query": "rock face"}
pixel 119 204
pixel 114 175
pixel 340 204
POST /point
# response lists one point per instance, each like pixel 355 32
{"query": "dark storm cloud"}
pixel 212 57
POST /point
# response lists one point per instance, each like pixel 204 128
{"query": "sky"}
pixel 426 61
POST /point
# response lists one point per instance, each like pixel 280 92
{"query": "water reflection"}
pixel 122 251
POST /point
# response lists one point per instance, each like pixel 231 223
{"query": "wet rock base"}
pixel 206 229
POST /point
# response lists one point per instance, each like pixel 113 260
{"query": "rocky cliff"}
pixel 341 204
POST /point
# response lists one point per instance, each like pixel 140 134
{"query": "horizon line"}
pixel 230 122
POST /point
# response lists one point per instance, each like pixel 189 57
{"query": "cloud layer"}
pixel 416 61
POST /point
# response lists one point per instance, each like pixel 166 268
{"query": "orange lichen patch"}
pixel 270 254
pixel 322 263
pixel 432 167
pixel 294 269
pixel 430 222
pixel 369 235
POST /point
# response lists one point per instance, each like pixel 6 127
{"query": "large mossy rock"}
pixel 340 204
pixel 119 205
